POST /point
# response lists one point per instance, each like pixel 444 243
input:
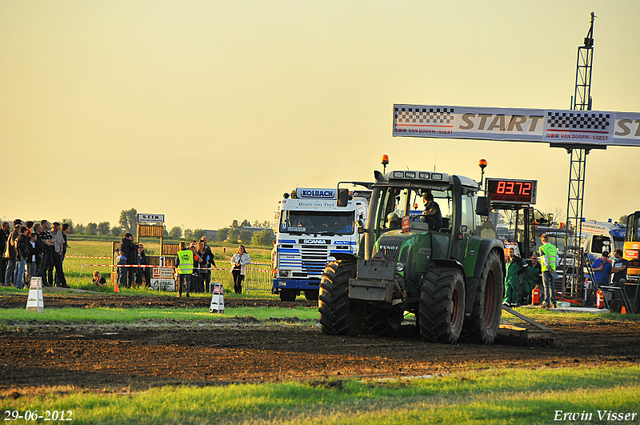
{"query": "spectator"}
pixel 515 267
pixel 58 243
pixel 143 271
pixel 4 236
pixel 530 279
pixel 602 269
pixel 184 267
pixel 121 260
pixel 65 232
pixel 10 253
pixel 22 255
pixel 619 269
pixel 46 268
pixel 195 274
pixel 206 262
pixel 41 253
pixel 239 263
pixel 98 279
pixel 549 256
pixel 130 254
pixel 34 250
pixel 29 225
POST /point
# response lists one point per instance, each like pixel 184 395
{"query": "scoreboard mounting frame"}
pixel 512 191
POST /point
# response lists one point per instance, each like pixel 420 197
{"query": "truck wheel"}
pixel 482 326
pixel 383 322
pixel 338 315
pixel 311 294
pixel 441 311
pixel 287 295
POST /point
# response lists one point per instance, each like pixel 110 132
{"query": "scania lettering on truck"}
pixel 310 229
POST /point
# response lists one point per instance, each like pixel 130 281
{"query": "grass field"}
pixel 487 397
pixel 79 271
pixel 500 395
pixel 504 395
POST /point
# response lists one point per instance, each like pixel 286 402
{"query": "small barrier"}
pixel 217 298
pixel 35 301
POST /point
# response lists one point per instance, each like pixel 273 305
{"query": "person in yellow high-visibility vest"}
pixel 184 265
pixel 548 258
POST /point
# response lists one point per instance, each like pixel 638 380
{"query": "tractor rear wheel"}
pixel 442 300
pixel 338 314
pixel 482 326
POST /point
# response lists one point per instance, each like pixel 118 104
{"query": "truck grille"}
pixel 314 258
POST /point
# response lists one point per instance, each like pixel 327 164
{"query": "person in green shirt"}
pixel 514 268
pixel 549 258
pixel 531 278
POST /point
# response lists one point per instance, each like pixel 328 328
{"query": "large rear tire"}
pixel 442 300
pixel 338 315
pixel 482 326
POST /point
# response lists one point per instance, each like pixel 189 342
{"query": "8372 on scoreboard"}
pixel 512 191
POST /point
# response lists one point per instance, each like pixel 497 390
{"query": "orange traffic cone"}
pixel 623 310
pixel 115 287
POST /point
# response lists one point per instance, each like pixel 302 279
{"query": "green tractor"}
pixel 441 269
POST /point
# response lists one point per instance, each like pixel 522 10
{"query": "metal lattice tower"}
pixel 581 100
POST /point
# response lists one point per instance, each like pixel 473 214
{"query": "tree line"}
pixel 236 232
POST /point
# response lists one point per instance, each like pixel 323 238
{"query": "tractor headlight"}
pixel 399 267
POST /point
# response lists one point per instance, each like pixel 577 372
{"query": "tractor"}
pixel 441 269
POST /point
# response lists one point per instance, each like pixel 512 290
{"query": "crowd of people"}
pixel 38 249
pixel 33 249
pixel 194 263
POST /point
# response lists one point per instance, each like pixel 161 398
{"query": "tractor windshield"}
pixel 399 202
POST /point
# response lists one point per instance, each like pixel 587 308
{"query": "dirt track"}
pixel 136 357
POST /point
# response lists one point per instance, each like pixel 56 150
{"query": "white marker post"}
pixel 35 302
pixel 217 299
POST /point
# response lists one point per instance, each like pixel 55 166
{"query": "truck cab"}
pixel 310 231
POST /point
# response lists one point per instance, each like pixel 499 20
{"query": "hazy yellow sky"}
pixel 207 111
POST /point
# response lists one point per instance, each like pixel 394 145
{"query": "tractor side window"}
pixel 468 213
pixel 389 205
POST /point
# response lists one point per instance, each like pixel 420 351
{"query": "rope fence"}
pixel 256 279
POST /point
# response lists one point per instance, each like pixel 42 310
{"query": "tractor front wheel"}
pixel 442 300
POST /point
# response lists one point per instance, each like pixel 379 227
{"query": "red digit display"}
pixel 509 191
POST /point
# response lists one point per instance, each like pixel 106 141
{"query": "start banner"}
pixel 558 127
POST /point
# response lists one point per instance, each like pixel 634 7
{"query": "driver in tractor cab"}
pixel 432 214
pixel 393 221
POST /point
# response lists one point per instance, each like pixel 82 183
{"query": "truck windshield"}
pixel 317 222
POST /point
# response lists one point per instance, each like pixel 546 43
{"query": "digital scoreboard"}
pixel 509 191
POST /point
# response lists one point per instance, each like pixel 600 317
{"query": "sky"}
pixel 208 111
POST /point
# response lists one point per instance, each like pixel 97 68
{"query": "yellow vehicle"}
pixel 632 246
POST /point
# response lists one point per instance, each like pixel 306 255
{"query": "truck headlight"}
pixel 399 267
pixel 284 273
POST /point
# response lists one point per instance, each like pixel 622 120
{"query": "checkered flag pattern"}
pixel 424 115
pixel 578 120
